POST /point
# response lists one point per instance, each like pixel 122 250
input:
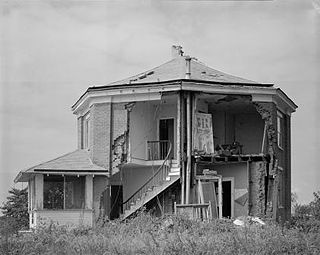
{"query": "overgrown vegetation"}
pixel 171 235
pixel 15 209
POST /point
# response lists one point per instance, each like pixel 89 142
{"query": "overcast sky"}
pixel 51 51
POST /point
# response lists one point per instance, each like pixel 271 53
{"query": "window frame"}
pixel 64 185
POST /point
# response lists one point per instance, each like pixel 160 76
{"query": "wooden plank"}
pixel 209 195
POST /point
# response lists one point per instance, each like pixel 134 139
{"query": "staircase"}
pixel 167 174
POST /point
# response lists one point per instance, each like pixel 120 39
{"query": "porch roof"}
pixel 76 162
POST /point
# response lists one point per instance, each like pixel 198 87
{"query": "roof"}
pixel 175 69
pixel 78 162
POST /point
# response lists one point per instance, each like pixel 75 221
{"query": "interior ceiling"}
pixel 217 102
pixel 230 103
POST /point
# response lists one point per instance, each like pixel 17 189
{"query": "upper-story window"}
pixel 280 128
pixel 86 131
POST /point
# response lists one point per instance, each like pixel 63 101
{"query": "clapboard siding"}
pixel 65 217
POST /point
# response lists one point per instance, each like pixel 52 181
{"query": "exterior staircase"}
pixel 166 175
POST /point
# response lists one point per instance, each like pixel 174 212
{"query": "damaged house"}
pixel 181 137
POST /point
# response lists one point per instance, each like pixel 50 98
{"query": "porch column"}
pixel 38 191
pixel 189 144
pixel 89 192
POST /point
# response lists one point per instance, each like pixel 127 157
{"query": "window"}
pixel 280 129
pixel 86 131
pixel 63 192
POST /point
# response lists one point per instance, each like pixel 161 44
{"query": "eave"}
pixel 157 87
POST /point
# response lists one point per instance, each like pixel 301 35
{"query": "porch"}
pixel 66 190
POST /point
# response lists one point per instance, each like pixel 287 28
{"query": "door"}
pixel 166 133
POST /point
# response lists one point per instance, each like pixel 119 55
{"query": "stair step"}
pixel 174 173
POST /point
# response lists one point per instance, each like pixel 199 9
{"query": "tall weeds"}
pixel 168 235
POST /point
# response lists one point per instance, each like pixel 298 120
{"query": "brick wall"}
pixel 257 171
pixel 100 143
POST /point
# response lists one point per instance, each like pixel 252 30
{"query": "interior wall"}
pixel 249 132
pixel 245 128
pixel 142 128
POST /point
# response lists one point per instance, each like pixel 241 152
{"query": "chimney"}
pixel 176 51
pixel 188 67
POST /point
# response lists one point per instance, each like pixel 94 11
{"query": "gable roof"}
pixel 175 69
pixel 77 162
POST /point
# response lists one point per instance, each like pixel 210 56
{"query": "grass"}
pixel 170 235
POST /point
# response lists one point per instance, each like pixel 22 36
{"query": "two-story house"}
pixel 179 133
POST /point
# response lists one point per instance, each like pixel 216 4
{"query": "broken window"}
pixel 280 129
pixel 63 192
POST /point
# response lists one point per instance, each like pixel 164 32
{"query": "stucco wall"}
pixel 239 172
pixel 144 125
pixel 134 178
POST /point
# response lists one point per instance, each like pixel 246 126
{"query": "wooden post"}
pixel 38 191
pixel 89 192
pixel 189 137
pixel 220 196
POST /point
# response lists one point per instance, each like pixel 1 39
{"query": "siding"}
pixel 65 217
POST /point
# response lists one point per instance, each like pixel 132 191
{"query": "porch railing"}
pixel 156 179
pixel 158 150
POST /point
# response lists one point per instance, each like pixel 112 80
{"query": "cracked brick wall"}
pixel 119 136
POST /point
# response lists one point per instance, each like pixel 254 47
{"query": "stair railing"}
pixel 156 179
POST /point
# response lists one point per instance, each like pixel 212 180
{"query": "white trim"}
pixel 149 92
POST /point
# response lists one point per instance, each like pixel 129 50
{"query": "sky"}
pixel 52 51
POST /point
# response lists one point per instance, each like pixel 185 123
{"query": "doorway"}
pixel 166 135
pixel 226 199
pixel 116 201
